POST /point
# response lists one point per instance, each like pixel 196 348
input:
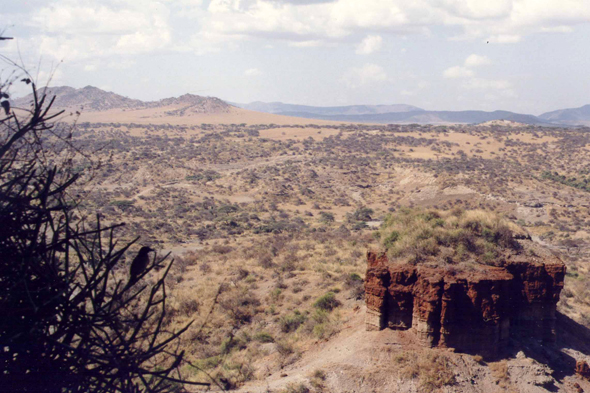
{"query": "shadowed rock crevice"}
pixel 472 312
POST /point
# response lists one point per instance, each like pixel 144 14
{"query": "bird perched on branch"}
pixel 139 264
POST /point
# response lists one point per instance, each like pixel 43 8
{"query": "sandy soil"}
pixel 158 116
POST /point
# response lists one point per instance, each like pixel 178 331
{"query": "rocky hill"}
pixel 189 103
pixel 89 98
pixel 93 99
pixel 579 115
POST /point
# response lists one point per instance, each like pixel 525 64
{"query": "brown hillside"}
pixel 93 99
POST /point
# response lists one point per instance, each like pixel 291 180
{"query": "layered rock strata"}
pixel 473 312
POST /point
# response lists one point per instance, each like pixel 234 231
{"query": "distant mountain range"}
pixel 352 110
pixel 572 116
pixel 400 113
pixel 93 99
pixel 424 117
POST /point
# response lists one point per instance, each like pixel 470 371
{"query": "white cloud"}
pixel 307 44
pixel 252 72
pixel 487 84
pixel 204 42
pixel 77 30
pixel 500 21
pixel 52 77
pixel 505 38
pixel 422 84
pixel 371 43
pixel 83 29
pixel 116 63
pixel 366 75
pixel 472 82
pixel 557 29
pixel 465 71
pixel 121 64
pixel 476 60
pixel 457 72
pixel 476 9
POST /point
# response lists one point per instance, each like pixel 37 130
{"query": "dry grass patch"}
pixel 431 369
pixel 448 237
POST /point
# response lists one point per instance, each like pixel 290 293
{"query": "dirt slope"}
pixel 359 361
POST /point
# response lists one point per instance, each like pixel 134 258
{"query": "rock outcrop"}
pixel 582 369
pixel 473 312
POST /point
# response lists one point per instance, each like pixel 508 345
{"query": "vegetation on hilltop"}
pixel 448 237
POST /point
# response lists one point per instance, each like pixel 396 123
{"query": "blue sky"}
pixel 522 55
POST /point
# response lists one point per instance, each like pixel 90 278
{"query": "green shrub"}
pixel 320 316
pixel 353 279
pixel 123 203
pixel 231 343
pixel 290 323
pixel 264 337
pixel 207 175
pixel 359 225
pixel 326 218
pixel 361 214
pixel 327 302
pixel 296 388
pixel 356 285
pixel 285 348
pixel 317 380
pixel 319 330
pixel 275 295
pixel 390 239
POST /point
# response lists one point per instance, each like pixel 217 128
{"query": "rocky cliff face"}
pixel 473 312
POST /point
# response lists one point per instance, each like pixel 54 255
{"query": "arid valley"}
pixel 269 219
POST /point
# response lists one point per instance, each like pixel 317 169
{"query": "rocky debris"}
pixel 582 369
pixel 472 312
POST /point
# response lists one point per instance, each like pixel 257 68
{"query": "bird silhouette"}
pixel 139 264
pixel 6 106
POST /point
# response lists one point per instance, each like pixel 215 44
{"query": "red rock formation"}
pixel 473 312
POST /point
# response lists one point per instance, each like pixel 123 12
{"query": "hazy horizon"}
pixel 304 104
pixel 517 55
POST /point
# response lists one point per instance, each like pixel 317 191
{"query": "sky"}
pixel 528 56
